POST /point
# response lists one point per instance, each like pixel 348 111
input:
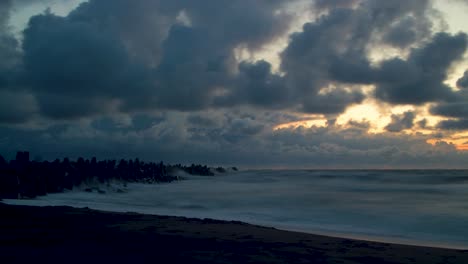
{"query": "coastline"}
pixel 354 235
pixel 377 238
pixel 31 233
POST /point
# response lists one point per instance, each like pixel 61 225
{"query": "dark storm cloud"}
pixel 451 109
pixel 330 4
pixel 415 80
pixel 332 102
pixel 10 59
pixel 141 26
pixel 192 67
pixel 190 61
pixel 203 121
pixel 16 107
pixel 420 78
pixel 462 83
pixel 120 56
pixel 401 23
pixel 257 85
pixel 249 22
pixel 313 55
pixel 8 52
pixel 401 122
pixel 218 128
pixel 456 107
pixel 143 121
pixel 202 53
pixel 460 124
pixel 422 123
pixel 405 32
pixel 136 123
pixel 95 58
pixel 73 67
pixel 334 49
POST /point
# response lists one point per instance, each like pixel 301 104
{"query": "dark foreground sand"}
pixel 70 235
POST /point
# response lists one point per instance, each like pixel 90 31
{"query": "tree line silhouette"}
pixel 22 178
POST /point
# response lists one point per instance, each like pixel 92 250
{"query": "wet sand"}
pixel 70 235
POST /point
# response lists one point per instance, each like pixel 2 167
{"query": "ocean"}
pixel 419 207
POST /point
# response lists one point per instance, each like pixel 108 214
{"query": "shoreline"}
pixel 327 233
pixel 44 232
pixel 378 239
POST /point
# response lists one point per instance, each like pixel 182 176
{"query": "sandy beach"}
pixel 71 235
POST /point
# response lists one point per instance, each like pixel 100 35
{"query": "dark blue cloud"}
pixel 401 122
pixel 91 63
pixel 460 124
pixel 88 62
pixel 462 83
pixel 420 78
pixel 452 109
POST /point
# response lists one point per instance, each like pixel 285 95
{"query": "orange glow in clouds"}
pixel 303 123
pixel 460 144
pixel 378 118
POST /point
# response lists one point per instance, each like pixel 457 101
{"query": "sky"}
pixel 337 84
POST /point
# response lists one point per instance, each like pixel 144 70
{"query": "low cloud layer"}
pixel 233 139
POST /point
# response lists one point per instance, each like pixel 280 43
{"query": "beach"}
pixel 264 131
pixel 423 208
pixel 76 235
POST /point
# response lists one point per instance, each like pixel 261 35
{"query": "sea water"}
pixel 422 207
